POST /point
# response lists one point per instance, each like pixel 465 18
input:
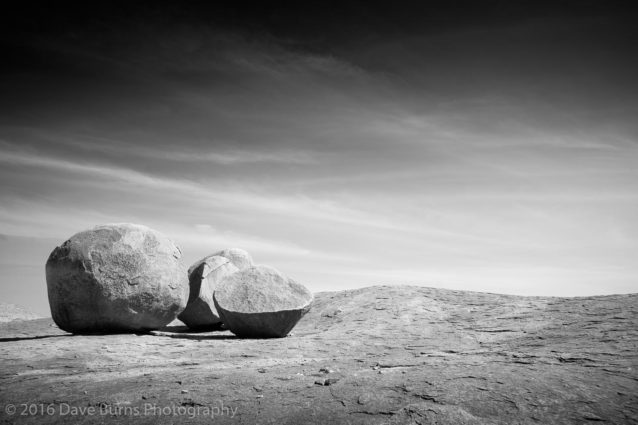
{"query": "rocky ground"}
pixel 381 355
pixel 9 312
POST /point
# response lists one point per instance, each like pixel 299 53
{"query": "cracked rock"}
pixel 203 277
pixel 261 302
pixel 238 257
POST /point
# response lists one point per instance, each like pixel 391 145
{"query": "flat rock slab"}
pixel 9 312
pixel 390 355
pixel 261 302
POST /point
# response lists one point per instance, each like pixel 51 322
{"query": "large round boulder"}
pixel 260 302
pixel 116 278
pixel 203 277
pixel 240 258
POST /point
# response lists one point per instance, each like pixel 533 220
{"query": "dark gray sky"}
pixel 487 146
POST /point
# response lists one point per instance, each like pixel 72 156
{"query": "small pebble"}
pixel 326 382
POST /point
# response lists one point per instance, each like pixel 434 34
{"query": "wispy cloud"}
pixel 299 207
pixel 222 155
pixel 90 170
pixel 431 157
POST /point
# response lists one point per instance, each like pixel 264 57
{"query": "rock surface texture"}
pixel 240 258
pixel 204 277
pixel 261 302
pixel 116 277
pixel 380 355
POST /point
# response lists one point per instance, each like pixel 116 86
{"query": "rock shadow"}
pixel 26 338
pixel 192 335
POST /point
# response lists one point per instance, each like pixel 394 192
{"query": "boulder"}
pixel 261 302
pixel 116 278
pixel 203 277
pixel 240 258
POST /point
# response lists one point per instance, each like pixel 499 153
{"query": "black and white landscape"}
pixel 440 199
pixel 377 355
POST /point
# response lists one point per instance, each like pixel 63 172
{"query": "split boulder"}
pixel 203 278
pixel 240 258
pixel 116 278
pixel 261 302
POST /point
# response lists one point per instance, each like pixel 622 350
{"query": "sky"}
pixel 485 146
